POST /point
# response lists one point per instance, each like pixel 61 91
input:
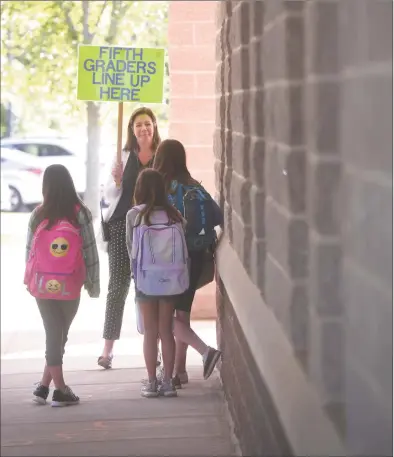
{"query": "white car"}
pixel 24 177
pixel 49 151
pixel 6 194
pixel 61 150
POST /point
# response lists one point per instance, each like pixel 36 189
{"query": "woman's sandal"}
pixel 105 362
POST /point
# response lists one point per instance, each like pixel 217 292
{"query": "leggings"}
pixel 119 279
pixel 57 316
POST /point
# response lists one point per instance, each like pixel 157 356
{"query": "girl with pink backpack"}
pixel 159 263
pixel 61 259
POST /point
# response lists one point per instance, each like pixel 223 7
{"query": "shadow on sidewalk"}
pixel 113 419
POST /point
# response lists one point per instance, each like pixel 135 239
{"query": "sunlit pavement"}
pixel 22 334
pixel 112 419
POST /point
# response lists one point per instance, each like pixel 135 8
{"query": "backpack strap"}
pixel 176 195
pixel 41 226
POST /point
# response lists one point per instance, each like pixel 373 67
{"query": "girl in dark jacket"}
pixel 170 162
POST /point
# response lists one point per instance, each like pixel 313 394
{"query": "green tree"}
pixel 39 44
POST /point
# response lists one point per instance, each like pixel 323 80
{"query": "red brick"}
pixel 191 11
pixel 192 83
pixel 196 134
pixel 192 58
pixel 204 33
pixel 205 84
pixel 193 109
pixel 203 134
pixel 181 34
pixel 206 177
pixel 182 84
pixel 182 132
pixel 199 158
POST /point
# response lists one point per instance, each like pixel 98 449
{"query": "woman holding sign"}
pixel 142 141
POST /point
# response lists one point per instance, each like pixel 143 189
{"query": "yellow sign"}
pixel 120 74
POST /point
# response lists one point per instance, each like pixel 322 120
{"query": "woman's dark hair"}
pixel 170 162
pixel 131 141
pixel 60 196
pixel 149 190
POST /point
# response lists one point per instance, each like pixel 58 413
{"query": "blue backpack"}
pixel 197 207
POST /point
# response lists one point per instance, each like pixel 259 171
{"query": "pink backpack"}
pixel 56 267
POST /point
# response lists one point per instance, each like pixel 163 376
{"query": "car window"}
pixel 51 150
pixel 29 148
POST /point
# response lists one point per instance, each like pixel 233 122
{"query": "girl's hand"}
pixel 117 172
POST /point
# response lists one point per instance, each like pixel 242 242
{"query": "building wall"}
pixel 191 37
pixel 303 162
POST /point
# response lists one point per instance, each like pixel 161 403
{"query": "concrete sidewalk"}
pixel 114 420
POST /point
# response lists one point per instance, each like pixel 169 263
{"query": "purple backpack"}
pixel 159 256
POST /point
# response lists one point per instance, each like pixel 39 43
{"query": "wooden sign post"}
pixel 120 74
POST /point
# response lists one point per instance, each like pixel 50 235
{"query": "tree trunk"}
pixel 92 195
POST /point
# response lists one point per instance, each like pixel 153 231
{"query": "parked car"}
pixel 6 194
pixel 47 151
pixel 44 146
pixel 24 176
pixel 61 150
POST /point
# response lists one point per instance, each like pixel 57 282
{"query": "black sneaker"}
pixel 176 382
pixel 40 394
pixel 64 398
pixel 210 361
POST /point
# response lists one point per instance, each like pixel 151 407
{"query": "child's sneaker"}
pixel 40 394
pixel 167 389
pixel 64 398
pixel 210 359
pixel 149 389
pixel 180 379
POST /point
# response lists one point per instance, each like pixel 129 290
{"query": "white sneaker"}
pixel 167 389
pixel 149 390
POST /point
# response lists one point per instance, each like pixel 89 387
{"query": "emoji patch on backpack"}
pixel 53 286
pixel 59 247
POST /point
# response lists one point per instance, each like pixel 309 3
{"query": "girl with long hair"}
pixel 170 162
pixel 62 212
pixel 142 141
pixel 152 208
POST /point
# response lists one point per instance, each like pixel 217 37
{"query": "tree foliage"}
pixel 39 45
pixel 39 49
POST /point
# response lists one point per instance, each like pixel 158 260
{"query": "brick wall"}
pixel 366 215
pixel 191 37
pixel 303 149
